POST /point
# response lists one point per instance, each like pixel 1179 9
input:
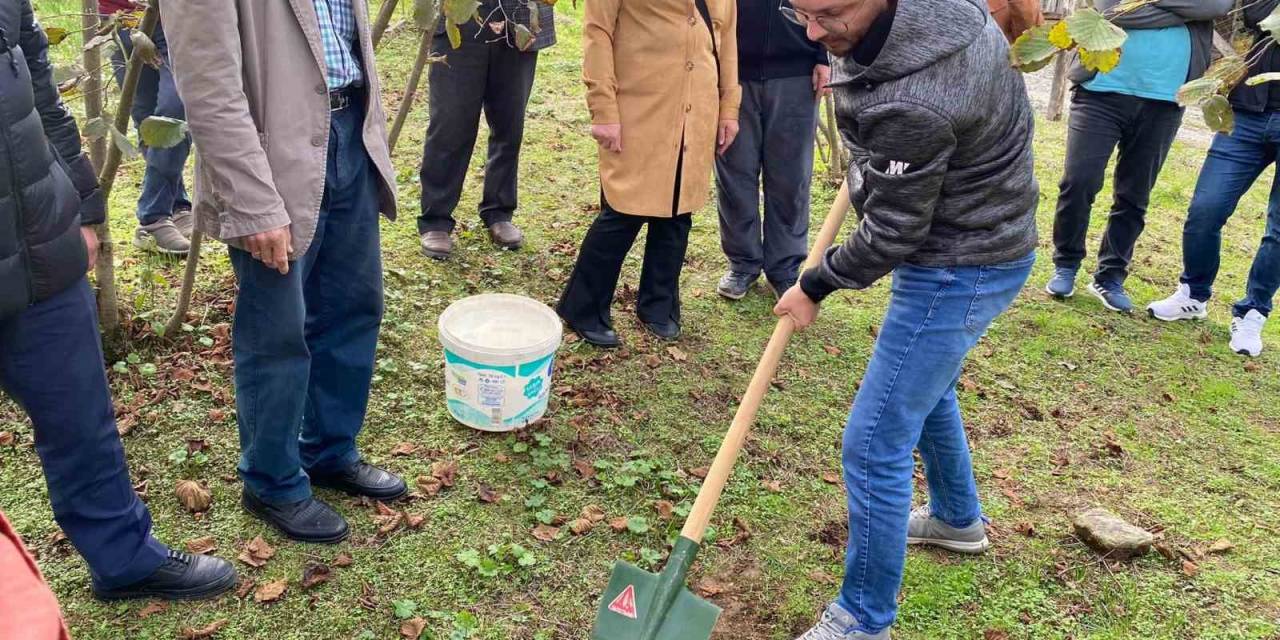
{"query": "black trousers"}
pixel 1144 131
pixel 497 79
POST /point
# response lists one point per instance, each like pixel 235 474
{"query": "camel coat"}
pixel 649 66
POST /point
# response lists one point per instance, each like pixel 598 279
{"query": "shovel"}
pixel 639 605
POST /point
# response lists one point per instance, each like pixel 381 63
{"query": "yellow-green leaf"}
pixel 1271 24
pixel 1032 50
pixel 1262 78
pixel 1128 6
pixel 524 37
pixel 1230 70
pixel 1092 31
pixel 1060 37
pixel 162 133
pixel 122 142
pixel 1100 61
pixel 424 14
pixel 1218 115
pixel 96 128
pixel 455 36
pixel 1197 92
pixel 56 35
pixel 460 11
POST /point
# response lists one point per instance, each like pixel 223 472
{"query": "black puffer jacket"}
pixel 47 186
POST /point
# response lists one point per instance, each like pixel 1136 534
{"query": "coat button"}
pixel 317 141
pixel 688 108
pixel 322 88
pixel 689 65
pixel 693 21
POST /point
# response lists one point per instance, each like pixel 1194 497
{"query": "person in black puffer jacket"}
pixel 51 359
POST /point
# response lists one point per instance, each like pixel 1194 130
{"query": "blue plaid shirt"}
pixel 338 32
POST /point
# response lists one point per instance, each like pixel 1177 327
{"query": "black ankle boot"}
pixel 182 577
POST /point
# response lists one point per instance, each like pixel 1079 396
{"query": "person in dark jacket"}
pixel 1133 107
pixel 493 72
pixel 1234 163
pixel 946 188
pixel 50 354
pixel 782 74
pixel 165 220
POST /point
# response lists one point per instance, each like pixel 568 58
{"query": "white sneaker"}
pixel 1179 306
pixel 1246 334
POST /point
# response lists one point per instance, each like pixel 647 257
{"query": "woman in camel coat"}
pixel 663 94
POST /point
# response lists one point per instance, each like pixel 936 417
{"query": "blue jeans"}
pixel 907 402
pixel 304 342
pixel 1234 163
pixel 163 189
pixel 51 364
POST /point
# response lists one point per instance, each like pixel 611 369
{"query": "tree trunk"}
pixel 384 19
pixel 406 105
pixel 105 271
pixel 107 177
pixel 188 285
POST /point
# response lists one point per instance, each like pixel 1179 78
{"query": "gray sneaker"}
pixel 161 237
pixel 735 284
pixel 924 529
pixel 185 221
pixel 838 624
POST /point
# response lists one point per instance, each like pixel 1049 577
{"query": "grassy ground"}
pixel 1068 406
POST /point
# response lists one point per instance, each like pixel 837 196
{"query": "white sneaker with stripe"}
pixel 1179 306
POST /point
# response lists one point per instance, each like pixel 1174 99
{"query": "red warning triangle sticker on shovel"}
pixel 625 603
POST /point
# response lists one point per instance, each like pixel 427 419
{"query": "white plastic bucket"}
pixel 499 353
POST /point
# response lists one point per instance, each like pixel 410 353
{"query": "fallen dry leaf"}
pixel 6 438
pixel 246 586
pixel 404 449
pixel 1025 528
pixel 677 354
pixel 584 469
pixel 414 521
pixel 832 350
pixel 653 361
pixel 665 509
pixel 487 495
pixel 343 560
pixel 388 523
pixel 217 415
pixel 196 445
pixel 411 629
pixel 546 533
pixel 831 477
pixel 618 524
pixel 742 533
pixel 203 633
pixel 1015 500
pixel 202 546
pixel 822 577
pixel 709 587
pixel 593 513
pixel 1165 551
pixel 700 472
pixel 773 486
pixel 271 591
pixel 257 552
pixel 57 537
pixel 581 527
pixel 502 458
pixel 1190 569
pixel 445 471
pixel 193 495
pixel 995 634
pixel 152 609
pixel 1221 546
pixel 315 574
pixel 1000 474
pixel 429 485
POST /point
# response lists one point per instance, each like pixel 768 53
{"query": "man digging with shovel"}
pixel 944 183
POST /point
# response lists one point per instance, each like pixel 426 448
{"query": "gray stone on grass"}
pixel 1110 535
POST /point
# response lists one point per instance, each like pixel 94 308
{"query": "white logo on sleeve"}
pixel 897 168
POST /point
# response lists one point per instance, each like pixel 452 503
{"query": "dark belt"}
pixel 340 99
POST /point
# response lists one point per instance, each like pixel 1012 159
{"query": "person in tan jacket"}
pixel 292 171
pixel 1015 17
pixel 662 88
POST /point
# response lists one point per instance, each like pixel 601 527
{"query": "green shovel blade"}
pixel 628 610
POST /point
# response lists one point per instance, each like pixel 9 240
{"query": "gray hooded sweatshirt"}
pixel 942 128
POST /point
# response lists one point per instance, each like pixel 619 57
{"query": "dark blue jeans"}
pixel 908 401
pixel 1234 163
pixel 163 189
pixel 304 342
pixel 779 124
pixel 51 364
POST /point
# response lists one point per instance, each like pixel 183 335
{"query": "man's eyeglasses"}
pixel 828 24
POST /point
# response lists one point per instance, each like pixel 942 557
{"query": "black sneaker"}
pixel 735 284
pixel 307 521
pixel 363 479
pixel 182 577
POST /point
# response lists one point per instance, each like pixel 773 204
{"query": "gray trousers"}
pixel 778 126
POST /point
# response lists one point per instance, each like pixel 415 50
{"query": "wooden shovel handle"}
pixel 713 485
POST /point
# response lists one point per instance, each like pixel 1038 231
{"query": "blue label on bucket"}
pixel 497 397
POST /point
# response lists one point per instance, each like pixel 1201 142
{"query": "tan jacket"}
pixel 251 74
pixel 649 65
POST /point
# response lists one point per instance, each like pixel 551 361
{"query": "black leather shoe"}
pixel 307 521
pixel 606 339
pixel 668 331
pixel 363 479
pixel 182 577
